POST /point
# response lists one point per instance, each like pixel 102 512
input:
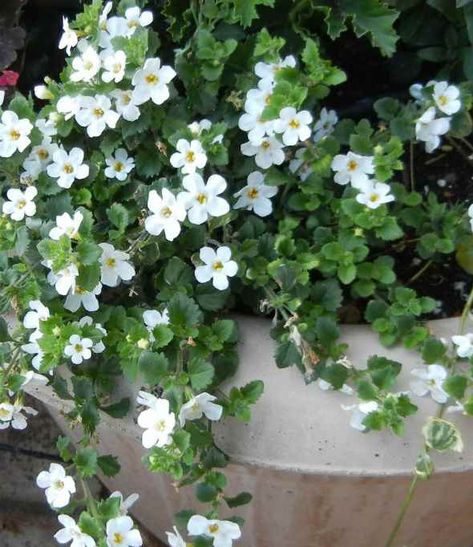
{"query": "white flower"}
pixel 119 165
pixel 125 504
pixel 256 196
pixel 268 152
pixel 111 28
pixel 78 349
pixel 151 82
pixel 11 415
pixel 267 71
pixel 136 18
pixel 32 348
pixel 72 532
pixel 325 125
pixel 299 166
pixel 217 267
pixel 430 381
pixel 69 38
pixel 153 318
pixel 158 423
pixel 40 157
pixel 126 104
pixel 14 134
pixel 81 297
pixel 175 538
pixel 147 399
pixel 68 106
pixel 446 98
pixel 114 66
pixel 167 214
pixel 470 214
pixel 464 345
pixel 114 266
pixel 293 125
pixel 223 532
pixel 96 115
pixel 196 128
pixel 352 168
pixel 189 156
pixel 201 404
pixel 20 203
pixel 429 129
pixel 86 65
pixel 258 99
pixel 2 97
pixel 64 280
pixel 42 92
pixel 38 312
pixel 47 127
pixel 67 225
pixel 120 533
pixel 415 91
pixel 373 194
pixel 201 199
pixel 359 413
pixel 99 346
pixel 58 485
pixel 68 166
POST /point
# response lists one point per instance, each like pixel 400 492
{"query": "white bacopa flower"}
pixel 196 128
pixel 299 165
pixel 257 99
pixel 373 194
pixel 217 267
pixel 151 82
pixel 158 424
pixel 325 125
pixel 293 125
pixel 125 104
pixel 114 265
pixel 120 533
pixel 110 29
pixel 42 92
pixel 96 115
pixel 359 413
pixel 446 98
pixel 189 156
pixel 153 318
pixel 68 106
pixel 464 345
pixel 268 152
pixel 415 91
pixel 40 157
pixel 33 348
pixel 12 415
pixel 86 65
pixel 78 349
pixel 430 381
pixel 2 97
pixel 136 18
pixel 201 199
pixel 147 399
pixel 255 126
pixel 58 486
pixel 222 532
pixel 67 225
pixel 87 321
pixel 69 37
pixel 64 280
pixel 14 134
pixel 352 168
pixel 120 165
pixel 81 297
pixel 68 166
pixel 47 126
pixel 175 539
pixel 429 129
pixel 20 204
pixel 167 214
pixel 470 215
pixel 267 71
pixel 200 405
pixel 256 195
pixel 125 503
pixel 72 533
pixel 114 66
pixel 38 312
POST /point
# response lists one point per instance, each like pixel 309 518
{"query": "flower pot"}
pixel 316 482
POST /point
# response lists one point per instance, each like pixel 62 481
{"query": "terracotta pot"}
pixel 316 481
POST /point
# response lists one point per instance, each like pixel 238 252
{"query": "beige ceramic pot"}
pixel 316 482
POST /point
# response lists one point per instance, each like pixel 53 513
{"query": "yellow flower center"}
pixel 166 212
pixel 111 262
pixel 14 135
pixel 21 204
pixel 217 266
pixel 374 198
pixel 117 68
pixel 151 79
pixel 126 98
pixel 201 198
pixel 133 23
pixel 213 528
pixel 294 124
pixel 265 145
pixel 160 425
pixel 80 290
pixel 118 538
pixel 267 99
pixel 4 413
pixel 88 65
pixel 43 154
pixel 68 168
pixel 78 348
pixel 443 100
pixel 190 156
pixel 118 166
pixel 59 484
pixel 252 193
pixel 98 112
pixel 352 165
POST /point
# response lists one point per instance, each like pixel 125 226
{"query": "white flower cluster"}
pixel 221 532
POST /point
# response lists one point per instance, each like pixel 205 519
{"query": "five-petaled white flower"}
pixel 217 267
pixel 175 539
pixel 429 129
pixel 167 214
pixel 58 486
pixel 373 194
pixel 446 98
pixel 69 37
pixel 325 125
pixel 81 297
pixel 151 82
pixel 189 156
pixel 20 204
pixel 119 165
pixel 99 347
pixel 72 533
pixel 114 66
pixel 96 115
pixel 267 71
pixel 359 413
pixel 256 195
pixel 114 266
pixel 268 152
pixel 78 349
pixel 293 125
pixel 153 318
pixel 38 312
pixel 430 381
pixel 64 280
pixel 222 532
pixel 464 345
pixel 33 348
pixel 125 104
pixel 158 424
pixel 68 106
pixel 40 157
pixel 14 134
pixel 67 226
pixel 201 199
pixel 136 18
pixel 11 415
pixel 68 166
pixel 352 168
pixel 200 405
pixel 125 503
pixel 120 533
pixel 86 65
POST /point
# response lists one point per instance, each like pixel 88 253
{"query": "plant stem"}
pixel 424 268
pixel 466 311
pixel 404 507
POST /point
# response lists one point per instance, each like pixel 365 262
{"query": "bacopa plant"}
pixel 173 176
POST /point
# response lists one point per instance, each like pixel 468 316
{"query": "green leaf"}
pixel 327 331
pixel 241 499
pixel 209 298
pixel 62 445
pixel 118 215
pixel 184 315
pixel 86 462
pixel 88 252
pixel 244 11
pixel 424 466
pixel 206 493
pixel 455 386
pixel 109 465
pixel 287 355
pixel 119 409
pixel 383 371
pixel 442 435
pixel 200 372
pixel 366 390
pixel 153 366
pixel 433 350
pixel 89 525
pixel 4 336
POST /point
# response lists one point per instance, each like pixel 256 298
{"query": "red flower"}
pixel 9 78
